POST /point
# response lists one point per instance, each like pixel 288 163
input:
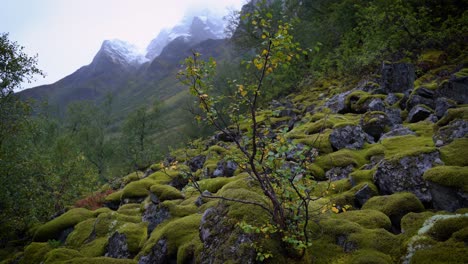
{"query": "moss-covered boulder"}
pixel 395 206
pixel 55 228
pixel 35 253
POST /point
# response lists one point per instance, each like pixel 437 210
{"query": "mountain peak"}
pixel 121 52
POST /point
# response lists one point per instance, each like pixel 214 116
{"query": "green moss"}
pixel 166 192
pixel 317 127
pixel 215 149
pixel 178 234
pixel 99 260
pixel 178 210
pixel 444 228
pixel 461 235
pixel 410 145
pixel 369 219
pixel 422 128
pixel 453 253
pixel 360 176
pixel 35 253
pixel 163 177
pixel 455 153
pixel 246 212
pixel 370 257
pixel 61 254
pixel 134 176
pixel 451 176
pixel 114 197
pixel 452 114
pixel 95 248
pixel 138 188
pixel 341 158
pixel 214 184
pixel 317 172
pixel 462 73
pixel 377 239
pixel 373 150
pixel 395 205
pixel 107 223
pixel 81 233
pixel 136 235
pixel 347 197
pixel 412 222
pixel 101 211
pixel 52 229
pixel 131 209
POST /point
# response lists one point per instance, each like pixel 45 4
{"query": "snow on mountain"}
pixel 122 52
pixel 194 28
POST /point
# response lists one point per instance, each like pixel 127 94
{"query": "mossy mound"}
pixel 95 248
pixel 444 228
pixel 133 209
pixel 35 253
pixel 138 188
pixel 176 209
pixel 81 233
pixel 453 253
pixel 52 229
pixel 403 146
pixel 136 235
pixel 342 158
pixel 369 219
pixel 451 176
pixel 59 255
pixel 395 206
pixel 98 260
pixel 370 257
pixel 452 114
pixel 180 234
pixel 412 222
pixel 108 223
pixel 455 153
pixel 166 192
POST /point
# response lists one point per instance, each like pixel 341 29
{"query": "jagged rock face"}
pixel 455 89
pixel 337 102
pixel 197 163
pixel 362 195
pixel 455 129
pixel 397 78
pixel 447 198
pixel 222 241
pixel 442 104
pixel 225 168
pixel 351 137
pixel 154 215
pixel 338 173
pixel 117 246
pixel 375 124
pixel 405 174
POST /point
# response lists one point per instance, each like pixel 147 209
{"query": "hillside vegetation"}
pixel 338 133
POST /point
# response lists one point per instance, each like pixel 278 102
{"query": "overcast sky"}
pixel 66 34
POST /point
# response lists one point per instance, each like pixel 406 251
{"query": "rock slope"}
pixel 392 163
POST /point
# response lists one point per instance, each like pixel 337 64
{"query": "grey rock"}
pixel 394 115
pixel 362 195
pixel 348 246
pixel 398 130
pixel 352 137
pixel 425 92
pixel 154 215
pixel 397 78
pixel 418 113
pixel 117 246
pixel 442 104
pixel 337 103
pixel 196 163
pixel 432 118
pixel 158 254
pixel 375 124
pixel 229 136
pixel 391 99
pixel 200 200
pixel 455 89
pixel 338 173
pixel 376 104
pixel 225 169
pixel 447 198
pixel 147 173
pixel 455 129
pixel 416 99
pixel 405 175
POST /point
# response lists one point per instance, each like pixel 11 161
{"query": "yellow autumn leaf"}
pixel 335 210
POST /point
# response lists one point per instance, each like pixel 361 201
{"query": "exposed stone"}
pixel 147 173
pixel 337 103
pixel 196 163
pixel 455 129
pixel 442 104
pixel 398 130
pixel 406 174
pixel 425 92
pixel 397 78
pixel 229 136
pixel 418 113
pixel 225 169
pixel 391 99
pixel 416 99
pixel 455 89
pixel 362 195
pixel 376 104
pixel 154 215
pixel 117 246
pixel 447 198
pixel 352 137
pixel 375 124
pixel 200 201
pixel 158 254
pixel 348 246
pixel 338 173
pixel 394 115
pixel 432 118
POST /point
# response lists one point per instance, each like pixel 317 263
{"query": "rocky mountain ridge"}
pixel 390 177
